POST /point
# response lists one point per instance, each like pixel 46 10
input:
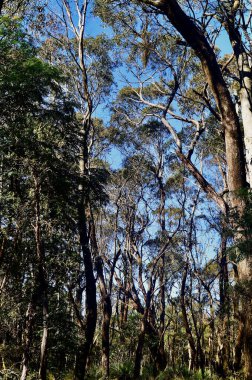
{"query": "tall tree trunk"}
pixel 141 337
pixel 28 334
pixel 245 95
pixel 223 336
pixel 91 304
pixel 106 299
pixel 39 294
pixel 162 362
pixel 185 319
pixel 139 350
pixel 245 91
pixel 43 349
pixel 43 283
pixel 106 318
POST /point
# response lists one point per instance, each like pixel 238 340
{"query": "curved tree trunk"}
pixel 233 137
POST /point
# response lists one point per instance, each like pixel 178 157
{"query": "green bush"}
pixel 123 371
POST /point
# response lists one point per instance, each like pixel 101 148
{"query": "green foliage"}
pixel 123 371
pixel 185 374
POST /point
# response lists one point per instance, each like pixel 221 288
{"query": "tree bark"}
pixel 162 363
pixel 1 6
pixel 39 294
pixel 139 350
pixel 43 349
pixel 43 283
pixel 245 91
pixel 91 305
pixel 28 333
pixel 106 318
pixel 224 333
pixel 141 338
pixel 185 318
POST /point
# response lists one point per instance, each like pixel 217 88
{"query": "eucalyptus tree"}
pixel 87 62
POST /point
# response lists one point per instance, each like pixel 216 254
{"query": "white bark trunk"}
pixel 246 111
pixel 24 372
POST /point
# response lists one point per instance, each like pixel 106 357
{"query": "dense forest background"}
pixel 125 203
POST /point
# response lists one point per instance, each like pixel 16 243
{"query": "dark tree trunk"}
pixel 39 295
pixel 141 338
pixel 107 312
pixel 105 296
pixel 106 318
pixel 91 305
pixel 224 335
pixel 42 284
pixel 161 363
pixel 28 334
pixel 139 350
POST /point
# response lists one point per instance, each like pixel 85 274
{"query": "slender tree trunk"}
pixel 107 312
pixel 185 319
pixel 106 300
pixel 200 356
pixel 106 318
pixel 248 341
pixel 223 336
pixel 161 363
pixel 91 305
pixel 28 334
pixel 43 283
pixel 238 347
pixel 39 293
pixel 43 350
pixel 141 338
pixel 139 350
